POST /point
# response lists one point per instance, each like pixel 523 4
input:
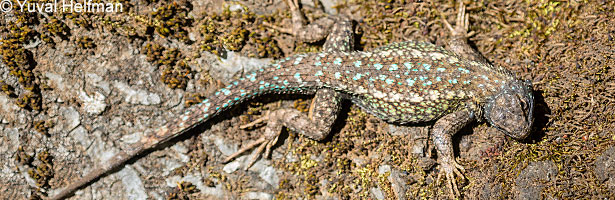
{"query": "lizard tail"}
pixel 275 78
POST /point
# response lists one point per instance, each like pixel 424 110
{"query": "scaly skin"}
pixel 407 82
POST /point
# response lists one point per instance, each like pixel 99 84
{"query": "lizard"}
pixel 402 83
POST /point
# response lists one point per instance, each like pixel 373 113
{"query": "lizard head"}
pixel 511 110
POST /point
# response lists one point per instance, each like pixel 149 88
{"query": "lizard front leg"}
pixel 443 131
pixel 316 125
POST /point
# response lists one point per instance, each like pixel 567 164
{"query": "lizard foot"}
pixel 256 122
pixel 462 23
pixel 452 168
pixel 294 10
pixel 278 28
pixel 263 143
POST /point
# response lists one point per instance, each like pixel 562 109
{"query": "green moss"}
pixel 182 191
pixel 21 63
pixel 43 127
pixel 171 19
pixel 176 72
pixel 43 171
pixel 85 43
pixel 234 30
pixel 57 28
pixel 22 157
pixel 7 89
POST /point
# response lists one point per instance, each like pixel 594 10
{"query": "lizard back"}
pixel 409 82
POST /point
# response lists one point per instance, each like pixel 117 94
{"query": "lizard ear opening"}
pixel 511 110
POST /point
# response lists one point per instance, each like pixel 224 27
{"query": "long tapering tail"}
pixel 273 78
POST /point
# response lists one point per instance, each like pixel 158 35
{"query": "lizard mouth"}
pixel 519 133
pixel 517 129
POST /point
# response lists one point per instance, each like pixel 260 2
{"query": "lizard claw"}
pixel 256 122
pixel 293 4
pixel 462 23
pixel 263 143
pixel 294 7
pixel 298 20
pixel 451 169
pixel 278 28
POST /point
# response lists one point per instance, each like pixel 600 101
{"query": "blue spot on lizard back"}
pixel 298 60
pixel 408 65
pixel 382 77
pixel 393 67
pixel 357 63
pixel 357 76
pixel 378 66
pixel 297 76
pixel 463 70
pixel 226 91
pixel 337 61
pixel 389 81
pixel 338 75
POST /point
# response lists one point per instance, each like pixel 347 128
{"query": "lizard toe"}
pixel 452 169
pixel 256 122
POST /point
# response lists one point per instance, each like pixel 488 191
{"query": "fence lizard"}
pixel 403 83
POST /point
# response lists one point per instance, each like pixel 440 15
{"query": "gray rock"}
pixel 132 138
pixel 419 135
pixel 6 108
pixel 534 178
pixel 235 7
pixel 132 183
pixel 225 69
pixel 170 165
pixel 71 118
pixel 81 136
pixel 257 195
pixel 604 168
pixel 94 104
pixel 398 183
pixel 133 96
pixel 377 192
pixel 226 149
pixel 232 166
pixel 328 5
pixel 384 169
pixel 270 175
pixel 56 80
pixel 97 81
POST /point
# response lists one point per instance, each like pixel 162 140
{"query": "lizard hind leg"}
pixel 316 125
pixel 313 32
